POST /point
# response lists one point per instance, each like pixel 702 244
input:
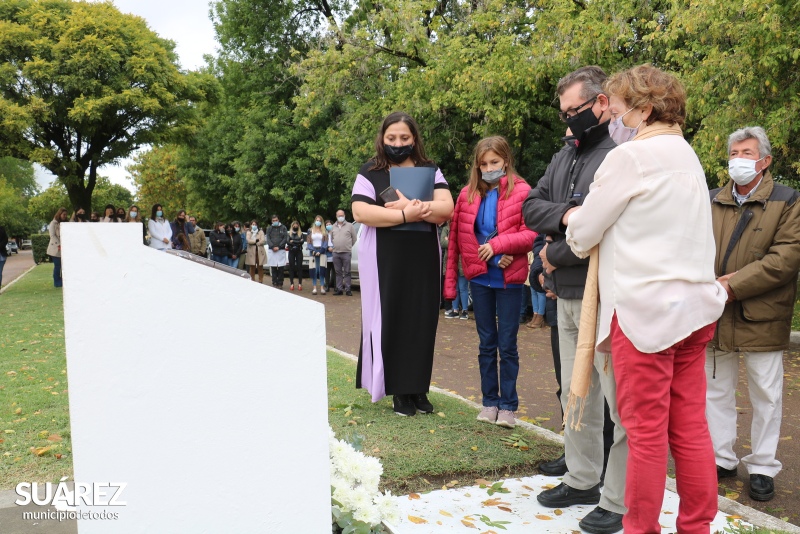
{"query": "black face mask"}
pixel 81 216
pixel 581 122
pixel 398 154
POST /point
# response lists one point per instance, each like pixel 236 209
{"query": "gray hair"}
pixel 751 132
pixel 592 78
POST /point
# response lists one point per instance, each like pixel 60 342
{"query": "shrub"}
pixel 39 244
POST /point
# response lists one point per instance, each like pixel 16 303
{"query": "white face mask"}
pixel 340 219
pixel 743 170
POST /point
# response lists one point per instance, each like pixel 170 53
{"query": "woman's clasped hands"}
pixel 413 209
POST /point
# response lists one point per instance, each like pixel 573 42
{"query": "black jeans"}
pixel 295 265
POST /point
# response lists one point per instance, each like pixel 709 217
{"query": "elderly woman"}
pixel 648 209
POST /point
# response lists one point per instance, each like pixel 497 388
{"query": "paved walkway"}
pixel 16 265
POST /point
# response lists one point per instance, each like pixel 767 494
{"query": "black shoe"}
pixel 421 403
pixel 348 293
pixel 404 405
pixel 762 488
pixel 601 521
pixel 726 473
pixel 337 293
pixel 554 468
pixel 562 496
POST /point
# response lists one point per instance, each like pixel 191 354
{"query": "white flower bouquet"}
pixel 357 506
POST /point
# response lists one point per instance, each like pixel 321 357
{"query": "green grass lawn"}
pixel 796 316
pixel 34 412
pixel 418 453
pixel 426 452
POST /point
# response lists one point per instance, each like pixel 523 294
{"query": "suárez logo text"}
pixel 59 495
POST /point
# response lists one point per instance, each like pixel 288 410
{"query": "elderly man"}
pixel 757 231
pixel 343 235
pixel 565 184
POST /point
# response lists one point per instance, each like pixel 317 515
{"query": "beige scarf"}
pixel 587 330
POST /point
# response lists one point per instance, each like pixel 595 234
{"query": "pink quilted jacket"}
pixel 513 237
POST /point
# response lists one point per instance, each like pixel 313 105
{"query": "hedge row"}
pixel 39 244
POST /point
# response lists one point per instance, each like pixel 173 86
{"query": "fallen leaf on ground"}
pixel 468 524
pixel 414 495
pixel 446 514
pixel 543 517
pixel 417 520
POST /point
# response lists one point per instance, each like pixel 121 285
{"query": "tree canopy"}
pixel 82 85
pixel 305 85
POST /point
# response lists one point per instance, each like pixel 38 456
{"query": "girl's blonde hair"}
pixel 499 145
pixel 321 227
pixel 138 214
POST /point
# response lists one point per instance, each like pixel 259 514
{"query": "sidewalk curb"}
pixel 794 338
pixel 17 279
pixel 724 504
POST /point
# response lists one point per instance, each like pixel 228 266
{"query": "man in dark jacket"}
pixel 757 231
pixel 277 238
pixel 584 108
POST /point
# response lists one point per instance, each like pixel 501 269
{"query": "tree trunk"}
pixel 79 190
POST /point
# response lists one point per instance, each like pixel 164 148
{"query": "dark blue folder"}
pixel 414 183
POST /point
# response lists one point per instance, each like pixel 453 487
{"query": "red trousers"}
pixel 661 400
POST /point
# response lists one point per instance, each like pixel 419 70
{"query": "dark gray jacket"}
pixel 277 236
pixel 565 184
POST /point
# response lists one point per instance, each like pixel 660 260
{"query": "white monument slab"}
pixel 203 393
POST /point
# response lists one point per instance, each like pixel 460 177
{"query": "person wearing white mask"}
pixel 256 254
pixel 757 231
pixel 159 229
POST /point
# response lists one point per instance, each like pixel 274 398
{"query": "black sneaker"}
pixel 404 405
pixel 451 314
pixel 348 293
pixel 601 521
pixel 337 293
pixel 464 315
pixel 421 403
pixel 562 496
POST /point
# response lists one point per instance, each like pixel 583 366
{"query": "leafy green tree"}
pixel 17 186
pixel 19 174
pixel 82 85
pixel 157 179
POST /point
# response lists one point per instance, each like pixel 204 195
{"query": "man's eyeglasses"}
pixel 571 112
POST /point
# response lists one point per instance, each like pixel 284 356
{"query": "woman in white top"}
pixel 317 246
pixel 159 229
pixel 649 211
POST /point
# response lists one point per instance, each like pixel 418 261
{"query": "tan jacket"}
pixel 197 241
pixel 255 243
pixel 54 247
pixel 765 258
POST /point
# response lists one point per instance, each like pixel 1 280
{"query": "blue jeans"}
pixel 317 272
pixel 538 300
pixel 461 302
pixel 496 312
pixel 2 264
pixel 224 260
pixel 57 281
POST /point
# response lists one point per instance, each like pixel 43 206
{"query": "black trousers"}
pixel 295 265
pixel 277 276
